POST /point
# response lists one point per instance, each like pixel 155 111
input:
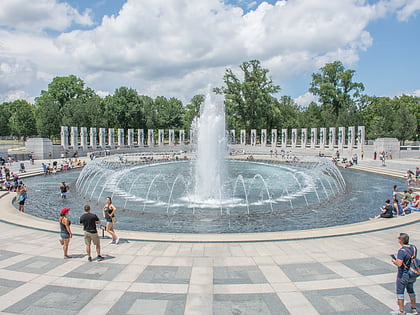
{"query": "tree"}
pixel 5 114
pixel 50 105
pixel 22 120
pixel 192 110
pixel 335 89
pixel 248 104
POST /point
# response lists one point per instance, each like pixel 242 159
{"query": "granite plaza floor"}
pixel 292 273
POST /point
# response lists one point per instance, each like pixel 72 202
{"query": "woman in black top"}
pixel 108 212
pixel 386 211
pixel 65 231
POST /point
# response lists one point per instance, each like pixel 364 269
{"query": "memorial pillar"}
pixel 120 138
pixel 294 138
pixel 74 137
pixel 314 135
pixel 150 138
pixel 341 137
pixel 182 136
pixel 111 137
pixel 83 138
pixel 92 141
pixel 360 137
pixel 263 137
pixel 273 137
pixel 350 137
pixel 64 137
pixel 304 138
pixel 243 137
pixel 171 137
pixel 161 137
pixel 130 137
pixel 232 136
pixel 140 137
pixel 253 136
pixel 102 136
pixel 331 138
pixel 322 138
pixel 283 138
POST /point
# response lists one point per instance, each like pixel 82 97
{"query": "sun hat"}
pixel 64 210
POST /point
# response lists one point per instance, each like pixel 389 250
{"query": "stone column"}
pixel 130 137
pixel 192 135
pixel 171 137
pixel 294 138
pixel 331 138
pixel 102 136
pixel 140 137
pixel 350 137
pixel 283 138
pixel 253 136
pixel 182 137
pixel 92 140
pixel 263 137
pixel 322 138
pixel 273 137
pixel 74 137
pixel 304 138
pixel 83 138
pixel 243 137
pixel 120 137
pixel 314 136
pixel 232 136
pixel 341 137
pixel 64 137
pixel 111 137
pixel 161 137
pixel 360 137
pixel 150 138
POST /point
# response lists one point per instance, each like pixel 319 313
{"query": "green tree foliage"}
pixel 192 110
pixel 62 95
pixel 249 103
pixel 5 113
pixel 124 109
pixel 337 92
pixel 22 120
pixel 395 118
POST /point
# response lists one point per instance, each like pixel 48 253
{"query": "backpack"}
pixel 414 267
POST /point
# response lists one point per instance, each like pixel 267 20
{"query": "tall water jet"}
pixel 210 166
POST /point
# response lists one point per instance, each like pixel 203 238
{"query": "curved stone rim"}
pixel 12 216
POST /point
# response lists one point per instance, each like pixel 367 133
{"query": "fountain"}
pixel 210 191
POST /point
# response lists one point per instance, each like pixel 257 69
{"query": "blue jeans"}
pixel 405 282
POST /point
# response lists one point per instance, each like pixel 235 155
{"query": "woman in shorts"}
pixel 65 231
pixel 108 212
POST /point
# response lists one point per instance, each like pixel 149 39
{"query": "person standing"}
pixel 108 212
pixel 89 221
pixel 65 231
pixel 21 196
pixel 404 281
pixel 64 188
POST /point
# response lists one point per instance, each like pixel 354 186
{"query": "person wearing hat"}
pixel 63 190
pixel 65 231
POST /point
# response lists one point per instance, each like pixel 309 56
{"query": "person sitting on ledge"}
pixel 415 205
pixel 386 211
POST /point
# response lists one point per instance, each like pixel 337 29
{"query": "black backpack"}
pixel 414 267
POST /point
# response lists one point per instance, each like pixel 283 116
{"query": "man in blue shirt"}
pixel 404 281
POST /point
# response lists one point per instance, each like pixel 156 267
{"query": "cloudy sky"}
pixel 181 47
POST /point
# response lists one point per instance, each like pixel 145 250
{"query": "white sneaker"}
pixel 117 240
pixel 112 242
pixel 412 311
pixel 397 312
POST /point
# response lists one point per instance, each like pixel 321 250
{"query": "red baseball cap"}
pixel 64 210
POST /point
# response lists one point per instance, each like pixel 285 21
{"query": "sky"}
pixel 180 48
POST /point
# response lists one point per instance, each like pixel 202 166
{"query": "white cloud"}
pixel 176 48
pixel 409 9
pixel 305 99
pixel 14 95
pixel 40 15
